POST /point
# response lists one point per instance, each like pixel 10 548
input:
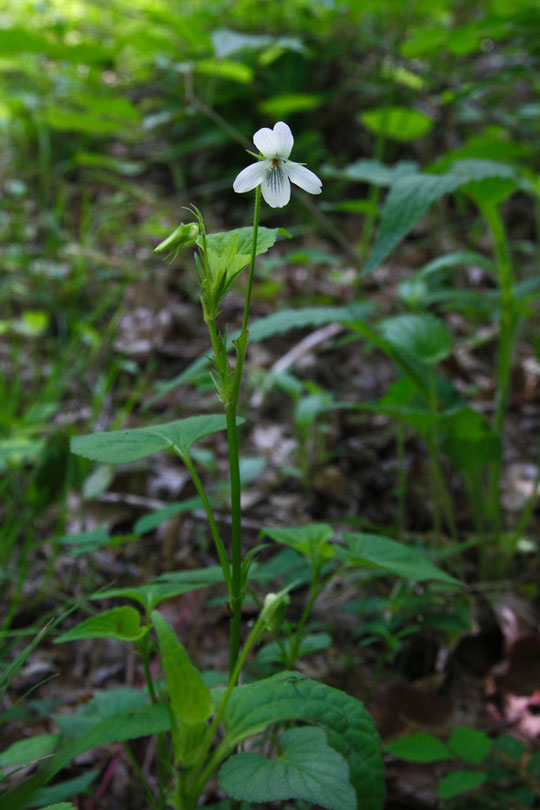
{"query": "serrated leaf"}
pixel 453 784
pixel 123 446
pixel 379 552
pixel 349 728
pixel 311 540
pixel 23 752
pixel 411 196
pixel 419 747
pixel 190 698
pixel 470 744
pixel 306 769
pixel 424 336
pixel 230 251
pixel 122 623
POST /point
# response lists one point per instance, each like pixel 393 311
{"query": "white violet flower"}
pixel 276 172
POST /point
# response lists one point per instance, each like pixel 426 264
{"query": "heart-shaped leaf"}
pixel 308 768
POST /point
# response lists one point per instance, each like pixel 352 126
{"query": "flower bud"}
pixel 274 608
pixel 184 235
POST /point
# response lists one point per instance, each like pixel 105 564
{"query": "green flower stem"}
pixel 236 557
pixel 234 464
pixel 216 537
pixel 294 648
pixel 223 749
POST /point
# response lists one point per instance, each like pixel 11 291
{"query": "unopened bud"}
pixel 184 235
pixel 273 610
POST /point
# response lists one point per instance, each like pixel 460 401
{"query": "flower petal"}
pixel 251 176
pixel 285 140
pixel 303 177
pixel 276 188
pixel 266 142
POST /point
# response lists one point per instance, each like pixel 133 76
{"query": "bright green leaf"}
pixel 398 123
pixel 311 540
pixel 225 69
pixel 230 251
pixel 453 784
pixel 150 595
pixel 285 104
pixel 307 769
pixel 379 552
pixel 470 744
pixel 423 335
pixel 24 752
pixel 122 446
pixel 190 698
pixel 419 747
pixel 122 623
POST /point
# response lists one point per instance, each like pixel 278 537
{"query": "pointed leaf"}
pixel 307 769
pixel 24 752
pixel 453 784
pixel 151 594
pixel 419 747
pixel 122 446
pixel 230 251
pixel 349 728
pixel 311 540
pixel 190 698
pixel 379 552
pixel 122 623
pixel 411 196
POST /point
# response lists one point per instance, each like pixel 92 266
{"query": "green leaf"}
pixel 398 123
pixel 469 744
pixel 190 698
pixel 285 104
pixel 419 747
pixel 453 784
pixel 230 251
pixel 150 594
pixel 123 446
pixel 225 69
pixel 211 575
pixel 117 728
pixel 469 440
pixel 379 552
pixel 424 336
pixel 122 623
pixel 59 806
pixel 311 540
pixel 349 728
pixel 28 751
pixel 411 196
pixel 373 171
pixel 62 790
pixel 272 653
pixel 306 769
pixel 154 519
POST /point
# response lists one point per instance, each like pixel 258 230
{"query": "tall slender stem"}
pixel 508 325
pixel 234 464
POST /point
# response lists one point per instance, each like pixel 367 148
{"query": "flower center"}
pixel 275 161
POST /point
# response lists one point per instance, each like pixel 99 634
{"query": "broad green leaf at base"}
pixel 306 769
